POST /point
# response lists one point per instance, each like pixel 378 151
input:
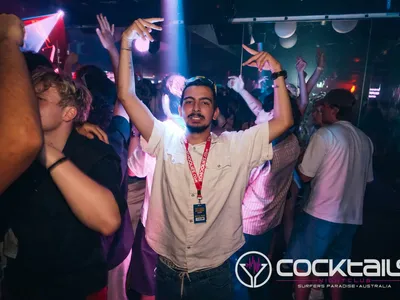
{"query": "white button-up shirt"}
pixel 170 229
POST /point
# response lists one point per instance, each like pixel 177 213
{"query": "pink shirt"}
pixel 265 196
pixel 170 230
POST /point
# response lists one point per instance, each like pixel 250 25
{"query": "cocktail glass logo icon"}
pixel 253 269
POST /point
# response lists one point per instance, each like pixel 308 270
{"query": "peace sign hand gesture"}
pixel 141 28
pixel 262 60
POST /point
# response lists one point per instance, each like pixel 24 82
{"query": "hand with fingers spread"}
pixel 90 131
pixel 142 28
pixel 301 65
pixel 12 28
pixel 262 60
pixel 236 83
pixel 106 32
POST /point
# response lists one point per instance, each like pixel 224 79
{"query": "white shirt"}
pixel 170 229
pixel 143 165
pixel 339 158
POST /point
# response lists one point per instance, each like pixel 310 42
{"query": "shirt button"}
pixel 194 148
pixel 173 160
pixel 188 247
pixel 219 166
pixel 192 195
pixel 191 221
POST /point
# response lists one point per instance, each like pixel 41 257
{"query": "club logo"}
pixel 253 269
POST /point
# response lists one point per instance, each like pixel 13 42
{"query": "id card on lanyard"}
pixel 199 210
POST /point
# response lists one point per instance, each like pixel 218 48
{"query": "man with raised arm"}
pixel 194 220
pixel 20 131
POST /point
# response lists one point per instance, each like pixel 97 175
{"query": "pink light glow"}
pixel 142 46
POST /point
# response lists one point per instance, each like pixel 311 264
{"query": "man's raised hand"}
pixel 106 32
pixel 141 28
pixel 236 83
pixel 262 60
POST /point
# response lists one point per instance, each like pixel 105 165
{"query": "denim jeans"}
pixel 260 243
pixel 202 285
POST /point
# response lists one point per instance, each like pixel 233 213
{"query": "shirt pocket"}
pixel 218 172
pixel 175 169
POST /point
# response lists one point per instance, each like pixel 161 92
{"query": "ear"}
pixel 69 113
pixel 216 114
pixel 180 110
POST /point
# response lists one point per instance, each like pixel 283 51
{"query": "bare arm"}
pixel 140 115
pixel 283 118
pixel 20 127
pixel 93 204
pixel 253 103
pixel 302 101
pixel 317 72
pixel 237 84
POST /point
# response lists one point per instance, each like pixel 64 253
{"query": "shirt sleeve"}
pixel 156 141
pixel 140 163
pixel 314 155
pixel 107 172
pixel 254 145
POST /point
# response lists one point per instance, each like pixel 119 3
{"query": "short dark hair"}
pixel 201 81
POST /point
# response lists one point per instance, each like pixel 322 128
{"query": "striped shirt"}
pixel 265 196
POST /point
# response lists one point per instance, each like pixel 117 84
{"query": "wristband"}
pixel 127 49
pixel 60 161
pixel 276 75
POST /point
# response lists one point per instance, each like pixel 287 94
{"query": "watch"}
pixel 279 74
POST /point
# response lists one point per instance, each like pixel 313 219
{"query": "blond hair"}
pixel 71 93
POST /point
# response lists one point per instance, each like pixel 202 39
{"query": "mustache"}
pixel 196 115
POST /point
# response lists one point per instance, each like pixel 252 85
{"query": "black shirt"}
pixel 58 256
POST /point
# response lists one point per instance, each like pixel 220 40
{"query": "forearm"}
pixel 136 110
pixel 283 118
pixel 93 204
pixel 20 127
pixel 114 57
pixel 253 103
pixel 312 82
pixel 302 100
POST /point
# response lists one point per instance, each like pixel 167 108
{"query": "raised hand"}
pixel 106 32
pixel 262 60
pixel 236 83
pixel 141 28
pixel 12 28
pixel 301 65
pixel 320 58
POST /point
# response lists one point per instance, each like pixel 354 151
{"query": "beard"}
pixel 197 129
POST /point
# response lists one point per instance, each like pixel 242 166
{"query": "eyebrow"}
pixel 202 98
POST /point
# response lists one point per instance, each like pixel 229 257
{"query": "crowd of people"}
pixel 109 187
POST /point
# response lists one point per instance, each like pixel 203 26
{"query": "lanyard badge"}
pixel 199 210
